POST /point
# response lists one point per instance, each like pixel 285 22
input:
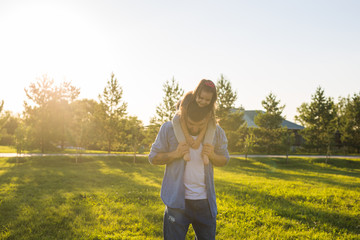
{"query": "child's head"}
pixel 205 93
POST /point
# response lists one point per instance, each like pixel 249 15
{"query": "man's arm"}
pixel 216 159
pixel 165 158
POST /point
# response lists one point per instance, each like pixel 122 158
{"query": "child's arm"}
pixel 188 138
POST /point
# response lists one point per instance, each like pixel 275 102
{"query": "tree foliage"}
pixel 226 98
pixel 272 117
pixel 165 111
pixel 270 134
pixel 8 126
pixel 319 119
pixel 110 112
pixel 83 130
pixel 349 121
pixel 46 112
pixel 231 119
pixel 134 134
pixel 53 118
pixel 3 118
pixel 235 128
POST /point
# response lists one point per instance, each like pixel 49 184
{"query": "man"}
pixel 188 187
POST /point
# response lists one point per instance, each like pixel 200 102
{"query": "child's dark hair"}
pixel 207 86
pixel 196 113
pixel 190 99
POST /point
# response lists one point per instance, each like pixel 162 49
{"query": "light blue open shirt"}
pixel 173 188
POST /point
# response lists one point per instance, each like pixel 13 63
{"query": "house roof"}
pixel 249 116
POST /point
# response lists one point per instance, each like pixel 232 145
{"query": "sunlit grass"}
pixel 268 199
pixel 57 198
pixel 113 198
pixel 7 149
pixel 10 149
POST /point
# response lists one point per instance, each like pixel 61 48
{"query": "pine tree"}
pixel 112 109
pixel 83 132
pixel 269 134
pixel 350 121
pixel 272 118
pixel 319 119
pixel 235 128
pixel 135 134
pixel 226 98
pixel 165 111
pixel 230 119
pixel 46 112
pixel 3 117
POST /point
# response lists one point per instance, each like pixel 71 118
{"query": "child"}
pixel 205 97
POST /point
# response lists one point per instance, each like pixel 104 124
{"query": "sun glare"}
pixel 48 38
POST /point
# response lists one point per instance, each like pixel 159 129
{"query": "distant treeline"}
pixel 54 119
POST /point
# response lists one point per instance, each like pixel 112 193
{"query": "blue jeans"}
pixel 197 212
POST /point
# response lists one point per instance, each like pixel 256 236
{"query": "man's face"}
pixel 195 128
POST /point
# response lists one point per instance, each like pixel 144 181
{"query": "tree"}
pixel 249 143
pixel 20 137
pixel 226 98
pixel 272 117
pixel 287 140
pixel 319 119
pixel 150 133
pixel 3 118
pixel 60 108
pixel 165 111
pixel 134 131
pixel 82 129
pixel 269 134
pixel 45 113
pixel 37 116
pixel 111 110
pixel 349 125
pixel 229 117
pixel 235 128
pixel 9 123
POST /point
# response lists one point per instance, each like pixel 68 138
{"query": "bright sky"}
pixel 286 47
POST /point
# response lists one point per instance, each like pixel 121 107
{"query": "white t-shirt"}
pixel 194 176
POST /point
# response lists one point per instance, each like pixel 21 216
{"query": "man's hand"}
pixel 181 150
pixel 208 150
pixel 216 159
pixel 166 158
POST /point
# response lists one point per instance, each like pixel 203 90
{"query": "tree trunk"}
pixel 134 149
pixel 327 153
pixel 42 145
pixel 109 146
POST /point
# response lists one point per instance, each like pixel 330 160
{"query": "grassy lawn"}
pixel 113 198
pixel 7 149
pixel 10 149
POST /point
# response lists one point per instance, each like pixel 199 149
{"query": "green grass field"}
pixel 10 149
pixel 113 198
pixel 7 149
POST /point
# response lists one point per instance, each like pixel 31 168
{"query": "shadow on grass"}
pixel 53 197
pixel 293 207
pixel 290 209
pixel 300 169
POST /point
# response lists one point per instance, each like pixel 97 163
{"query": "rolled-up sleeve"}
pixel 161 143
pixel 221 143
